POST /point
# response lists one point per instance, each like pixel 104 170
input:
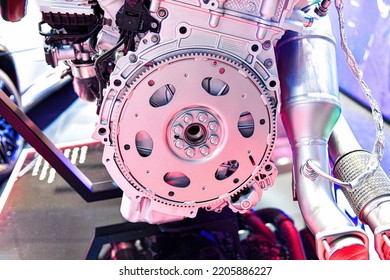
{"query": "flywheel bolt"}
pixel 213 126
pixel 178 129
pixel 214 140
pixel 187 118
pixel 179 143
pixel 190 152
pixel 204 150
pixel 202 117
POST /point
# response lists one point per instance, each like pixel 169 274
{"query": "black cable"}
pixel 98 69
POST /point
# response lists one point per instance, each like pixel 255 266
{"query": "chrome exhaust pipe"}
pixel 371 201
pixel 310 108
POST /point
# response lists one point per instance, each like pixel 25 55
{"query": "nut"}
pixel 214 140
pixel 190 152
pixel 213 126
pixel 178 129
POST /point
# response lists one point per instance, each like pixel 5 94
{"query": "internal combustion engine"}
pixel 188 93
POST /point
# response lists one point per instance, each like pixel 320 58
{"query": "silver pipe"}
pixel 370 202
pixel 310 108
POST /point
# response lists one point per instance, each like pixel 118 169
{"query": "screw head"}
pixel 214 140
pixel 204 150
pixel 179 143
pixel 155 38
pixel 213 126
pixel 267 45
pixel 268 63
pixel 190 152
pixel 132 58
pixel 178 129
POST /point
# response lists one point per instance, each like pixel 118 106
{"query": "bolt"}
pixel 153 25
pixel 179 143
pixel 132 58
pixel 162 13
pixel 178 129
pixel 190 152
pixel 202 117
pixel 267 45
pixel 187 118
pixel 204 150
pixel 155 38
pixel 214 140
pixel 213 126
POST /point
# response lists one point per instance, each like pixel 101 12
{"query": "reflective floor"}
pixel 56 223
pixel 41 222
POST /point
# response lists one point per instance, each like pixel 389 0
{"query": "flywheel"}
pixel 194 130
